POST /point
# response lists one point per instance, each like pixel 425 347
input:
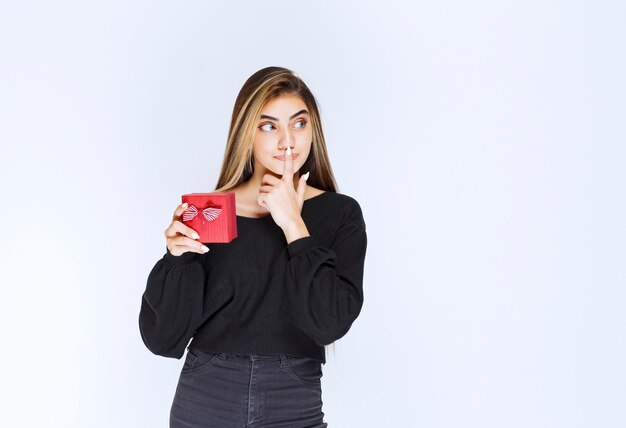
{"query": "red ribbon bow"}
pixel 209 213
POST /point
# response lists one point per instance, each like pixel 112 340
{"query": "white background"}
pixel 484 140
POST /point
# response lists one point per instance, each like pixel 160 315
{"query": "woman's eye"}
pixel 265 125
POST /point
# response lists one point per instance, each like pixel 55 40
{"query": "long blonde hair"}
pixel 263 86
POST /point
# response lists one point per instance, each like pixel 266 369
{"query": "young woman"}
pixel 261 308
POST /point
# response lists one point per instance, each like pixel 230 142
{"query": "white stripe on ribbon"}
pixel 209 213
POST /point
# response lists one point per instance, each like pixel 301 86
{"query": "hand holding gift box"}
pixel 212 215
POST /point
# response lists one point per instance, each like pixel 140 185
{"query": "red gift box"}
pixel 212 215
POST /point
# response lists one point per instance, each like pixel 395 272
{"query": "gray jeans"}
pixel 248 391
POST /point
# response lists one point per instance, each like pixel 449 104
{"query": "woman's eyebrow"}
pixel 303 111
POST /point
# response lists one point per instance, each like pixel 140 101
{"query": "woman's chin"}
pixel 276 171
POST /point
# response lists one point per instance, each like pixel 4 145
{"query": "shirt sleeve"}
pixel 325 285
pixel 171 305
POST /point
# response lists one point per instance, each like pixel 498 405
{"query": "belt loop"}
pixel 222 355
pixel 283 361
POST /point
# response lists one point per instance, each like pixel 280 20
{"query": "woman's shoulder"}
pixel 311 192
pixel 342 198
pixel 345 208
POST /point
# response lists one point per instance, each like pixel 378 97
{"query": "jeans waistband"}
pixel 280 358
pixel 265 357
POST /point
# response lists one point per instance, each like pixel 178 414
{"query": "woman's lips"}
pixel 282 157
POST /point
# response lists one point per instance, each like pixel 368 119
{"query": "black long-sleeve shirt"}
pixel 258 294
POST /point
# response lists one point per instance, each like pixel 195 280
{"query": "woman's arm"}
pixel 325 285
pixel 171 305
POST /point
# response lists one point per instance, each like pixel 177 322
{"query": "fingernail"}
pixel 195 235
pixel 205 248
pixel 288 150
pixel 185 205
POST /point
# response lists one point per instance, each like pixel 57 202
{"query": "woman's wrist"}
pixel 295 229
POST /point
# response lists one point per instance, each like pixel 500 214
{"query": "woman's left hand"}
pixel 280 197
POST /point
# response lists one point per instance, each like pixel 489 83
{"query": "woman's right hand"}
pixel 180 238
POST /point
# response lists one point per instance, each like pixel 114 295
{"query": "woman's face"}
pixel 284 121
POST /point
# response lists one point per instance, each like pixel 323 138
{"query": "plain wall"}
pixel 484 140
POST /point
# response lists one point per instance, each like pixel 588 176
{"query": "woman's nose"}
pixel 287 140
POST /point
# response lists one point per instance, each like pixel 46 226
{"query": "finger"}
pixel 301 188
pixel 261 200
pixel 183 229
pixel 177 250
pixel 270 180
pixel 184 242
pixel 179 210
pixel 288 167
